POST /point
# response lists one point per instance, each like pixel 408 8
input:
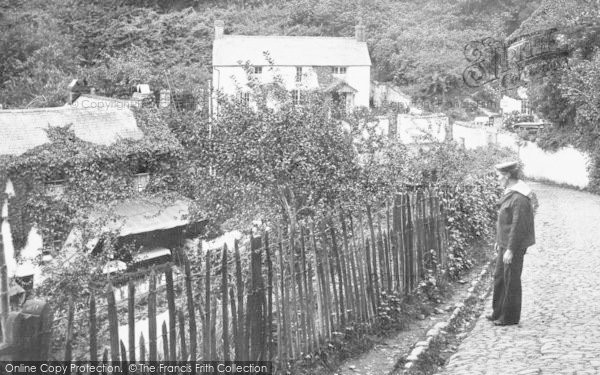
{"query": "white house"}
pixel 339 66
pixel 519 103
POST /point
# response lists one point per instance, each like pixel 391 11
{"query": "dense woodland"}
pixel 116 44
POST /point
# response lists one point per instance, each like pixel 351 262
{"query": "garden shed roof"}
pixel 133 216
pixel 147 215
pixel 24 129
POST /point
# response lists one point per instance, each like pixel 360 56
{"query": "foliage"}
pixel 568 96
pixel 430 282
pixel 469 189
pixel 470 217
pixel 117 44
pixel 391 314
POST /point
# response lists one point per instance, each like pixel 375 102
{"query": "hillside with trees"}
pixel 115 45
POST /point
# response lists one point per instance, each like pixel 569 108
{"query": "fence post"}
pixel 142 348
pixel 225 304
pixel 184 352
pixel 191 310
pixel 234 322
pixel 255 307
pixel 300 269
pixel 131 319
pixel 152 317
pixel 322 299
pixel 207 326
pixel 361 285
pixel 4 296
pixel 172 314
pixel 241 347
pixel 374 259
pixel 93 330
pixel 285 308
pixel 165 342
pixel 345 260
pixel 113 323
pixel 269 297
pixel 69 334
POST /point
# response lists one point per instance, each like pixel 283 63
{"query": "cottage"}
pixel 338 66
pixel 96 120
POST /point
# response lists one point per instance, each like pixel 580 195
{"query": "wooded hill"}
pixel 116 44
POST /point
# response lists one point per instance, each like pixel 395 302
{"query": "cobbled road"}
pixel 559 332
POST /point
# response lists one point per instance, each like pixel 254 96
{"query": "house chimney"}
pixel 360 32
pixel 219 29
pixel 76 88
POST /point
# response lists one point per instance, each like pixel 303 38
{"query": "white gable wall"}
pixel 227 79
pixel 359 77
pixel 509 104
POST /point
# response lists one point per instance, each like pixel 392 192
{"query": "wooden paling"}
pixel 165 341
pixel 234 322
pixel 93 330
pixel 172 314
pixel 318 283
pixel 374 270
pixel 345 259
pixel 183 347
pixel 241 345
pixel 131 319
pixel 206 328
pixel 269 313
pixel 152 332
pixel 113 323
pixel 69 333
pixel 225 304
pixel 191 310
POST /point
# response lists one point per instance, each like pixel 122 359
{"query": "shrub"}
pixel 469 192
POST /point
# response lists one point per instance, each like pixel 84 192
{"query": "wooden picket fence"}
pixel 278 299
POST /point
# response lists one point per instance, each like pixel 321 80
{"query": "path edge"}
pixel 436 334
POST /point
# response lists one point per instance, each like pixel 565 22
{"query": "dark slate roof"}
pixel 148 215
pixel 132 216
pixel 24 129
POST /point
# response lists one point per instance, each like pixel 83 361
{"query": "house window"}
pixel 298 74
pixel 258 70
pixel 141 178
pixel 491 121
pixel 338 69
pixel 140 181
pixel 525 107
pixel 245 98
pixel 54 185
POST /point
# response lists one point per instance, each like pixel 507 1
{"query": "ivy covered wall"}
pixel 90 174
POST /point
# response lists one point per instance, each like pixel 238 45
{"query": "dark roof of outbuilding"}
pixel 23 129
